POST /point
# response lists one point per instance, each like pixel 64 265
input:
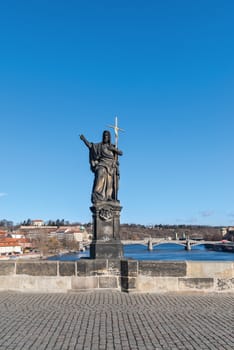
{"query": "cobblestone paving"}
pixel 113 320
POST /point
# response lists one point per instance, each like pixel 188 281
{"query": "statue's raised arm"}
pixel 86 142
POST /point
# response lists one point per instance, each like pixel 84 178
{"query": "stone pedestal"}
pixel 106 224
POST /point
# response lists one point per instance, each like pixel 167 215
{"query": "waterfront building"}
pixel 37 222
pixel 8 248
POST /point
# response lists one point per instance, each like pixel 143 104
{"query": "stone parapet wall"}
pixel 124 275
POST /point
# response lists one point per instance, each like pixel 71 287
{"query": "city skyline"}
pixel 165 69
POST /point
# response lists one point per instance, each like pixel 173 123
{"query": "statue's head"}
pixel 106 136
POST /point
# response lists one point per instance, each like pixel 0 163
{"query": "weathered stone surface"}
pixel 124 283
pixel 128 275
pixel 124 268
pixel 162 268
pixel 196 283
pixel 129 268
pixel 37 268
pixel 108 282
pixel 132 268
pixel 131 283
pixel 80 283
pixel 128 283
pixel 219 269
pixel 7 268
pixel 106 220
pixel 67 268
pixel 90 267
pixel 106 250
pixel 38 284
pixel 146 284
pixel 106 224
pixel 149 284
pixel 114 267
pixel 224 284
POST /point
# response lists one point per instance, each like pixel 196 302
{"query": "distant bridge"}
pixel 153 242
pixel 158 241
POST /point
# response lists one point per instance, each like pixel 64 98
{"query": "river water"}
pixel 168 251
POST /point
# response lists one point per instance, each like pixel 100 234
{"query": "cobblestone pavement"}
pixel 113 320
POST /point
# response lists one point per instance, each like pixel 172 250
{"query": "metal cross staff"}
pixel 116 130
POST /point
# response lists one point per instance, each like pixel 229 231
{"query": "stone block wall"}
pixel 123 275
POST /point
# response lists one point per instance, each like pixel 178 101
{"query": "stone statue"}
pixel 103 158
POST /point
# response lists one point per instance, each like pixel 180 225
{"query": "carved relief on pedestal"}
pixel 105 214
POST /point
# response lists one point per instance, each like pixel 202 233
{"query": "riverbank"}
pixel 221 247
pixel 20 256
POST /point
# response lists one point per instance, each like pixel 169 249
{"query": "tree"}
pixel 28 222
pixel 6 223
pixel 54 245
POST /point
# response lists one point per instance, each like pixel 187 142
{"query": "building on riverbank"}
pixel 228 233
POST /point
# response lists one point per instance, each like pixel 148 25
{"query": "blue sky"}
pixel 165 68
